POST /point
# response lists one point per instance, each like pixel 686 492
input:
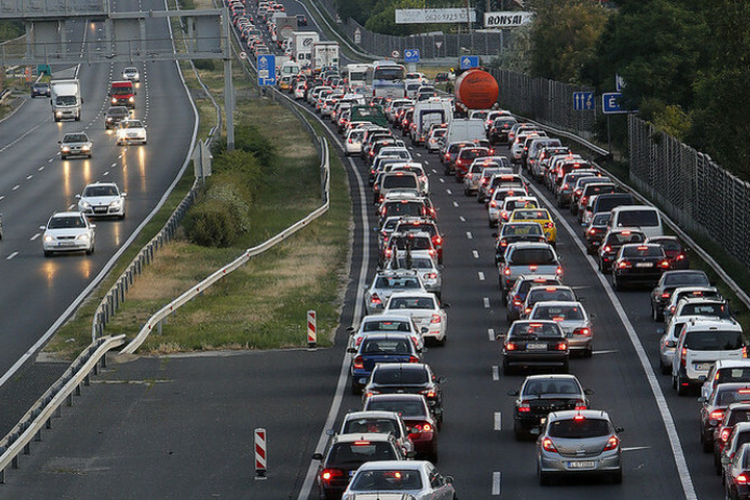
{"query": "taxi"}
pixel 540 215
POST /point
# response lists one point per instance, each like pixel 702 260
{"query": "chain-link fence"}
pixel 690 187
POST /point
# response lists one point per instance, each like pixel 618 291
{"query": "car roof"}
pixel 732 363
pixel 362 436
pixel 569 414
pixel 67 214
pixel 371 414
pixel 393 464
pixel 386 317
pixel 558 376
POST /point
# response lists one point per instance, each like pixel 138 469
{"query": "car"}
pixel 516 296
pixel 638 263
pixel 68 232
pixel 40 89
pixel 466 157
pixel 534 344
pixel 515 232
pixel 676 252
pixel 102 199
pixel 668 282
pixel 713 407
pixel 131 131
pixel 75 144
pixel 385 323
pixel 408 378
pixel 593 234
pixel 131 73
pixel 572 317
pixel 346 453
pixel 541 394
pixel 114 115
pixel 579 442
pixel 426 312
pixel 707 292
pixel 413 480
pixel 497 200
pixel 411 241
pixel 301 20
pixel 564 193
pixel 736 474
pixel 703 341
pixel 299 92
pixel 540 215
pixel 423 262
pixel 432 144
pixel 418 224
pixel 612 241
pixel 377 348
pixel 546 293
pixel 597 188
pixel 735 413
pixel 498 132
pixel 723 371
pixel 668 342
pixel 527 258
pixel 387 422
pixel 419 420
pixel 499 164
pixel 717 308
pixel 501 215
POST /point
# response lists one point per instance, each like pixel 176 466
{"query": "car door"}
pixel 439 488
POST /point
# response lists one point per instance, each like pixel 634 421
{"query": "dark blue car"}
pixel 380 348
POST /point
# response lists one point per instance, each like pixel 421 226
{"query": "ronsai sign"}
pixel 511 19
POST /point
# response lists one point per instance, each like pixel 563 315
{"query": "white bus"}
pixel 386 79
pixel 356 78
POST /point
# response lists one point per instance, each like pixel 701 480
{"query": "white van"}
pixel 644 217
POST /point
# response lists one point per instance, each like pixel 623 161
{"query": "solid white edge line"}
pixel 498 421
pixel 497 479
pixel 666 415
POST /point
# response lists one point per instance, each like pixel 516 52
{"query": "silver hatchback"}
pixel 579 442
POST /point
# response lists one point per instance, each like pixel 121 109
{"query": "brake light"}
pixel 524 408
pixel 566 186
pixel 612 443
pixel 375 300
pixel 724 435
pixel 424 427
pixel 664 264
pixel 744 352
pixel 624 264
pixel 559 271
pixel 665 295
pixel 493 204
pixel 413 359
pixel 582 331
pixel 435 319
pixel 683 356
pixel 428 393
pixel 506 271
pixel 527 311
pixel 437 240
pixel 680 257
pixel 584 200
pixel 548 445
pixel 716 415
pixel 562 346
pixel 359 363
pixel 549 225
pixel 329 475
pixel 607 249
pixel 741 479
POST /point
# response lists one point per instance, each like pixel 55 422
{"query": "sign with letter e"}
pixel 611 103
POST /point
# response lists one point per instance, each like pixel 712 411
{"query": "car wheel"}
pixel 616 283
pixel 664 368
pixel 616 477
pixel 90 251
pixel 491 224
pixel 588 352
pixel 717 463
pixel 681 390
pixel 507 370
pixel 656 314
pixel 707 445
pixel 442 341
pixel 47 253
pixel 545 478
pixel 519 432
pixel 354 388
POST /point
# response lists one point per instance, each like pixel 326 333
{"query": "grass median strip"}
pixel 263 304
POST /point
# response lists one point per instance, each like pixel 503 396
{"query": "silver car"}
pixel 68 232
pixel 424 264
pixel 391 480
pixel 102 199
pixel 579 442
pixel 572 318
pixel 387 282
pixel 426 311
pixel 75 144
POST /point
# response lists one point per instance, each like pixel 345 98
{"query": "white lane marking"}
pixel 2 198
pixel 462 218
pixel 497 479
pixel 419 155
pixel 434 172
pixel 15 187
pixel 37 235
pixel 683 470
pixel 491 334
pixel 498 421
pixel 455 204
pixel 50 160
pixel 611 351
pixel 41 168
pixel 31 176
pixel 449 191
pixel 475 254
pixel 495 373
pixel 636 448
pixel 469 236
pixel 442 180
pixel 106 173
pixel 11 255
pixel 486 302
pixel 480 274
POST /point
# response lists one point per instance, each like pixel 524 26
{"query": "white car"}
pixel 425 310
pixel 399 479
pixel 102 199
pixel 131 131
pixel 425 263
pixel 75 144
pixel 68 232
pixel 299 91
pixel 353 141
pixel 385 323
pixel 131 74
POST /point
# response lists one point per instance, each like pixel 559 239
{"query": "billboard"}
pixel 422 16
pixel 510 19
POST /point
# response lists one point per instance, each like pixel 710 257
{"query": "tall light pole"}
pixel 468 23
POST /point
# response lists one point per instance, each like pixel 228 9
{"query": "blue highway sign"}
pixel 611 103
pixel 266 70
pixel 411 55
pixel 468 62
pixel 583 101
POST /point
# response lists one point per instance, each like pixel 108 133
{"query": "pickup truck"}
pixel 527 258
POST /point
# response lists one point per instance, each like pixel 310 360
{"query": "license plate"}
pixel 588 464
pixel 100 210
pixel 644 264
pixel 703 367
pixel 67 243
pixel 536 347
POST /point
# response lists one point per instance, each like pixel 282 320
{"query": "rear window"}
pixel 405 408
pixel 470 154
pixel 592 189
pixel 399 181
pixel 412 303
pixel 526 285
pixel 623 238
pixel 551 386
pixel 386 326
pixel 607 203
pixel 386 346
pixel 554 294
pixel 522 230
pixel 725 397
pixel 525 256
pixel 405 209
pixel 524 329
pixel 739 374
pixel 531 215
pixel 514 204
pixel 713 340
pixel 388 480
pixel 389 375
pixel 601 219
pixel 684 279
pixel 397 282
pixel 738 416
pixel 559 313
pixel 579 429
pixel 643 251
pixel 706 309
pixel 638 218
pixel 418 243
pixel 378 425
pixel 359 452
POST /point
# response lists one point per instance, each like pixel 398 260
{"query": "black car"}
pixel 499 129
pixel 639 263
pixel 542 394
pixel 301 20
pixel 612 242
pixel 40 89
pixel 595 231
pixel 670 280
pixel 114 115
pixel 408 378
pixel 534 344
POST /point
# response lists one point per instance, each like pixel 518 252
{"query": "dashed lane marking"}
pixel 480 274
pixel 498 421
pixel 469 236
pixel 11 255
pixel 497 479
pixel 475 254
pixel 486 302
pixel 495 373
pixel 491 334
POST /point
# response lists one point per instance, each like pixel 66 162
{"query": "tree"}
pixel 564 36
pixel 384 18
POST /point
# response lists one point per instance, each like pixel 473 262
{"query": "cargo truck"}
pixel 325 55
pixel 302 47
pixel 65 98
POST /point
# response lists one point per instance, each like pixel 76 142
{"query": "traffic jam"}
pixel 391 443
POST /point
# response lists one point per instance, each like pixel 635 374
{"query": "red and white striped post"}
pixel 312 330
pixel 260 454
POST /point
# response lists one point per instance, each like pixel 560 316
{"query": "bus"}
pixel 386 79
pixel 356 77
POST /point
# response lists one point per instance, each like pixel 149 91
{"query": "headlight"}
pixel 86 147
pixel 114 100
pixel 48 238
pixel 59 114
pixel 83 237
pixel 85 204
pixel 66 149
pixel 115 203
pixel 131 99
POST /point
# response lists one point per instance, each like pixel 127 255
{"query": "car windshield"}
pixel 415 243
pixel 66 222
pixel 579 428
pixel 558 313
pixel 638 218
pixel 524 329
pixel 525 256
pixel 391 375
pixel 386 326
pixel 553 386
pixel 75 138
pixel 133 124
pixel 387 480
pixel 706 309
pixel 412 303
pixel 122 90
pixel 692 278
pixel 404 407
pixel 522 230
pixel 714 340
pixel 386 346
pixel 377 425
pixel 66 100
pixel 92 191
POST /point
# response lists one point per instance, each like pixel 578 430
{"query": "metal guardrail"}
pixel 234 265
pixel 48 405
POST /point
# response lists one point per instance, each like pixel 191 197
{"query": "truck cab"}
pixel 122 93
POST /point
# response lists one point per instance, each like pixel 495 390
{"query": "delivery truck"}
pixel 65 98
pixel 325 55
pixel 302 46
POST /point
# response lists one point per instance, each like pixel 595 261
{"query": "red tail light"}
pixel 506 271
pixel 612 443
pixel 581 405
pixel 592 231
pixel 548 445
pixel 533 267
pixel 359 363
pixel 375 300
pixel 562 346
pixel 549 225
pixel 624 265
pixel 566 186
pixel 510 346
pixel 527 311
pixel 607 249
pixel 744 352
pixel 428 393
pixel 329 475
pixel 435 319
pixel 683 356
pixel 413 359
pixel 664 264
pixel 559 271
pixel 437 240
pixel 584 200
pixel 666 295
pixel 493 204
pixel 524 408
pixel 716 415
pixel 582 331
pixel 724 435
pixel 741 479
pixel 423 427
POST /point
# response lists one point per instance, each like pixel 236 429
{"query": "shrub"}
pixel 205 64
pixel 212 225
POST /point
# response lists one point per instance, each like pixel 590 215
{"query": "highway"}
pixel 36 292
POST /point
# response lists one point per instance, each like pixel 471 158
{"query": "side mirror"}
pixel 317 456
pixel 351 350
pixel 591 316
pixel 59 142
pixel 588 392
pixel 93 226
pixel 449 479
pixel 619 430
pixel 330 432
pixel 441 380
pixel 124 195
pixel 446 305
pixel 78 197
pixel 43 228
pixel 535 431
pixel 350 330
pixel 500 337
pixel 411 454
pixel 494 235
pixel 660 331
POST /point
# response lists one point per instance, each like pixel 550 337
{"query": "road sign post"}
pixel 261 463
pixel 411 57
pixel 266 65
